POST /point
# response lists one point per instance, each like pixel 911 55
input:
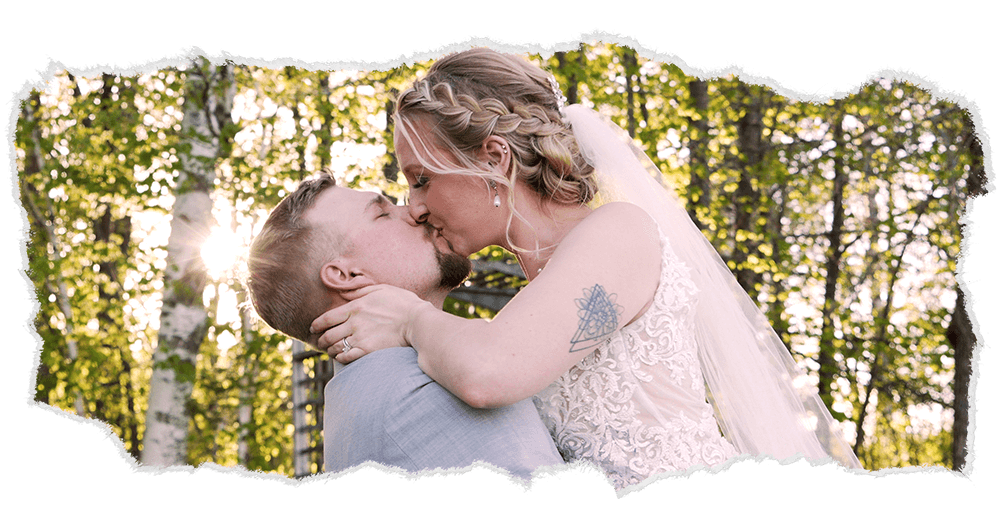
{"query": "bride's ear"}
pixel 497 153
pixel 339 275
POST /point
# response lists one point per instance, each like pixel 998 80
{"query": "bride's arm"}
pixel 601 277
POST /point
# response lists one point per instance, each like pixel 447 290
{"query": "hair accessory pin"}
pixel 560 99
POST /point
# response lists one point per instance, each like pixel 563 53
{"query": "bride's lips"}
pixel 433 233
pixel 439 233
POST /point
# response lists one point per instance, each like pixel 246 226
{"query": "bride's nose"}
pixel 418 211
pixel 402 212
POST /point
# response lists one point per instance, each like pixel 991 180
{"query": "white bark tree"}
pixel 55 247
pixel 208 101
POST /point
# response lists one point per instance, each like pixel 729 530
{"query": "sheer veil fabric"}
pixel 764 403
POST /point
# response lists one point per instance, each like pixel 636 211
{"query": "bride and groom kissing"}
pixel 629 322
pixel 323 241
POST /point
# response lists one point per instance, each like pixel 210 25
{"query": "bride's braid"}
pixel 472 95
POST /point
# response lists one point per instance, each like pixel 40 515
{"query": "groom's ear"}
pixel 339 275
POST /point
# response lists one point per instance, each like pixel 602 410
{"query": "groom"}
pixel 324 240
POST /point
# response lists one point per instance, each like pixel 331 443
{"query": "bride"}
pixel 641 351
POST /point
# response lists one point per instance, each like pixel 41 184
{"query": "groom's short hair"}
pixel 284 262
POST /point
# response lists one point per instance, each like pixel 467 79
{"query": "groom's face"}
pixel 383 241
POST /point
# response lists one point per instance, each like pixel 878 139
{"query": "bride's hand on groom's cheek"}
pixel 374 318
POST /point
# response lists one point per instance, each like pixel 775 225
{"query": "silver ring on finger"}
pixel 347 346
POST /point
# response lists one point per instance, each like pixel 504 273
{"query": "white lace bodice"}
pixel 636 406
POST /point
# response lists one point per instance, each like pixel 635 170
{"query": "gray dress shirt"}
pixel 383 408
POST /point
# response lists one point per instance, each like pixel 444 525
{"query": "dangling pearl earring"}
pixel 496 195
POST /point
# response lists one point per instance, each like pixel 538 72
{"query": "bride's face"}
pixel 459 206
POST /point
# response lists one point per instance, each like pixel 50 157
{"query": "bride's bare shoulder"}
pixel 623 219
pixel 620 226
pixel 621 212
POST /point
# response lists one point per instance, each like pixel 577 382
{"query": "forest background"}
pixel 883 175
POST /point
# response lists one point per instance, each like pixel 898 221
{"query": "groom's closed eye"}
pixel 379 202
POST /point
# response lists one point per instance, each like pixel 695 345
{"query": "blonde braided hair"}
pixel 472 95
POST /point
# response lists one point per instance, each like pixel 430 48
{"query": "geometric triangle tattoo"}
pixel 598 318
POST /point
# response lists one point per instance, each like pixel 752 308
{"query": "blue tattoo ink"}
pixel 598 318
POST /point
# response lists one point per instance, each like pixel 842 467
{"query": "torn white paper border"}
pixel 931 86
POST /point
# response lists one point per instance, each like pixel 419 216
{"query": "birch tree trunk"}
pixel 208 98
pixel 33 166
pixel 248 358
pixel 248 388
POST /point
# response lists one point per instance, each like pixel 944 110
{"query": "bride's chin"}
pixel 448 244
pixel 464 249
pixel 460 246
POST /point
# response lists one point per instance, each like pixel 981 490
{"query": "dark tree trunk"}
pixel 391 168
pixel 826 361
pixel 750 139
pixel 699 191
pixel 960 332
pixel 629 62
pixel 324 138
pixel 565 60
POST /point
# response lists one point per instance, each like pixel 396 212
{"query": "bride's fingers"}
pixel 360 292
pixel 338 349
pixel 331 341
pixel 330 319
pixel 350 355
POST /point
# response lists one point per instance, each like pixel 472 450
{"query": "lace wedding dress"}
pixel 637 406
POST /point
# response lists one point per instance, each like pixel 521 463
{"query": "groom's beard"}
pixel 454 268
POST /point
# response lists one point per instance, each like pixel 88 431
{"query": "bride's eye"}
pixel 419 182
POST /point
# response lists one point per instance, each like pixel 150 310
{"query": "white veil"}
pixel 765 404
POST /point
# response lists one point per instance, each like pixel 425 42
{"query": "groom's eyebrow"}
pixel 379 200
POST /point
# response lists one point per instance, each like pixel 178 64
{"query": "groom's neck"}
pixel 437 298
